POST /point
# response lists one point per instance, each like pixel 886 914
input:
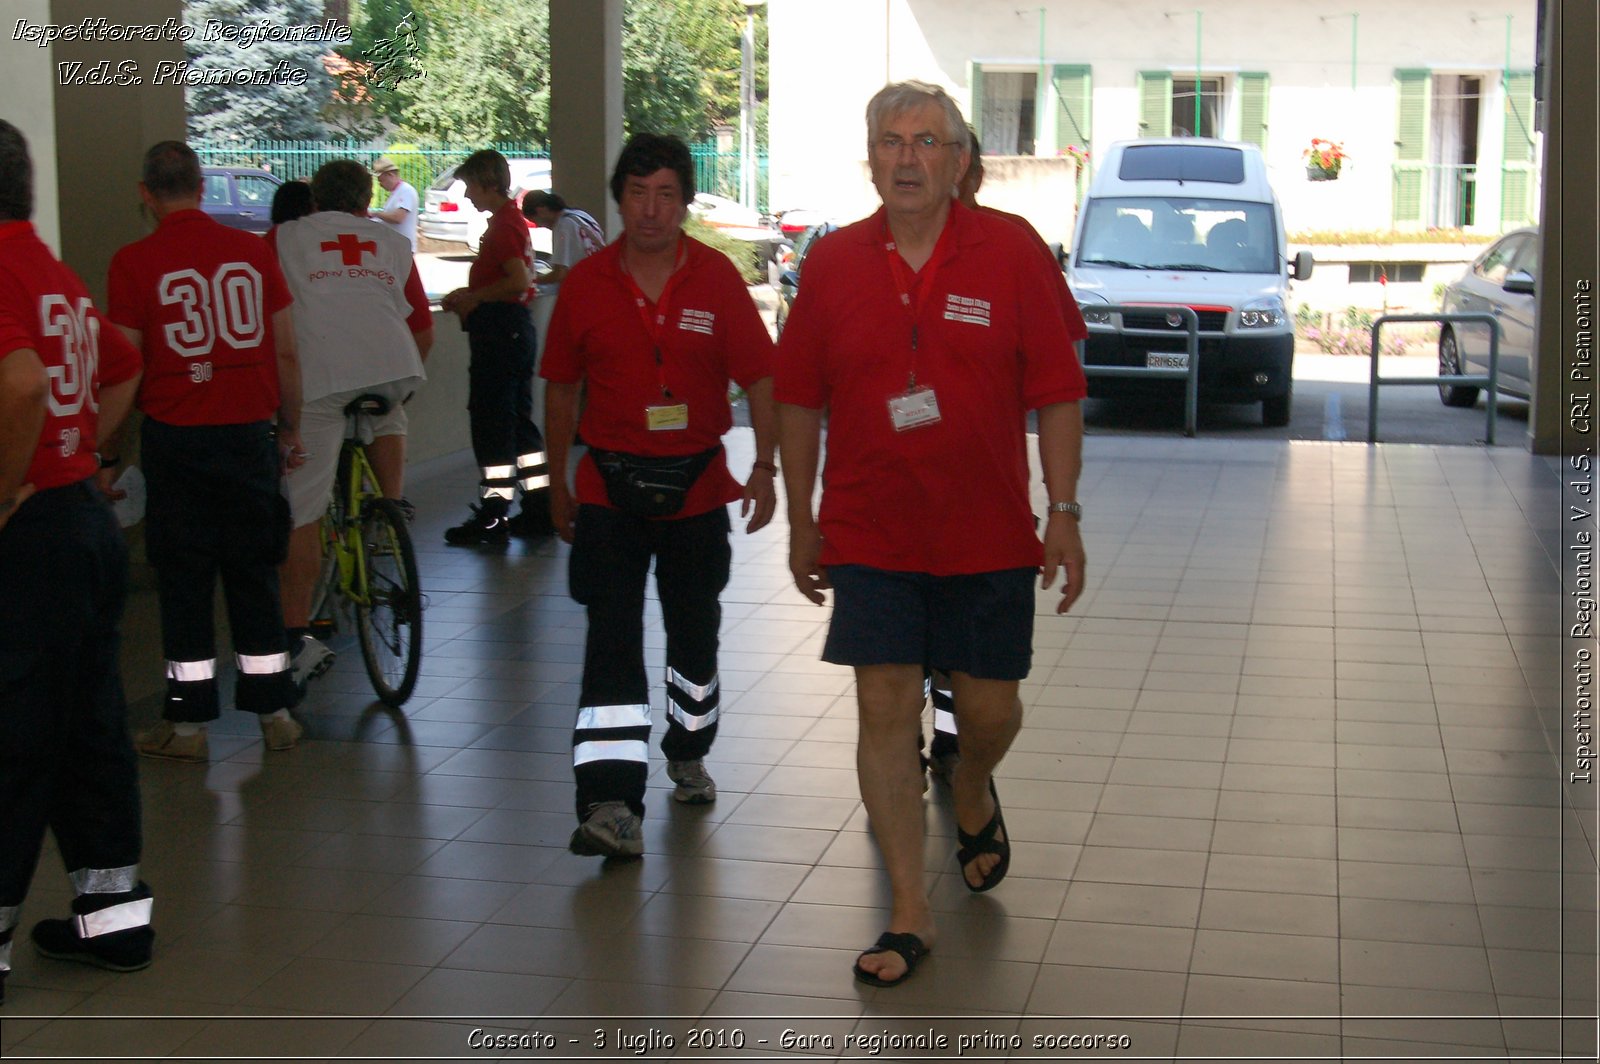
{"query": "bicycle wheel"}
pixel 389 614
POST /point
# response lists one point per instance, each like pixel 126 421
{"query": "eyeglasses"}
pixel 925 145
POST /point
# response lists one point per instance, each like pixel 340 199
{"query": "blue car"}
pixel 240 196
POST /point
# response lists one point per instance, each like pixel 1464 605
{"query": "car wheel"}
pixel 1450 365
pixel 1275 411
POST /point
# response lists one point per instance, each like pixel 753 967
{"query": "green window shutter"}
pixel 1073 105
pixel 1155 103
pixel 975 107
pixel 1410 145
pixel 1519 117
pixel 1516 177
pixel 1410 139
pixel 1253 109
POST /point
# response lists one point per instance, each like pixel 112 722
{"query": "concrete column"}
pixel 1567 222
pixel 586 103
pixel 87 140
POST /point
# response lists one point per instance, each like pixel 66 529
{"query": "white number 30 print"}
pixel 228 307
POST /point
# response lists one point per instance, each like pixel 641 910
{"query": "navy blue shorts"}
pixel 980 624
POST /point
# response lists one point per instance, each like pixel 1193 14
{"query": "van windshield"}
pixel 1178 233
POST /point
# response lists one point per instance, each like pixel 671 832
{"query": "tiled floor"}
pixel 1283 790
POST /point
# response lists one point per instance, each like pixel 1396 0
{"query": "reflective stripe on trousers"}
pixel 690 705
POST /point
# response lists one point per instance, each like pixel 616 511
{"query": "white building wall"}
pixel 829 56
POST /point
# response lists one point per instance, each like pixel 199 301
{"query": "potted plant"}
pixel 1324 159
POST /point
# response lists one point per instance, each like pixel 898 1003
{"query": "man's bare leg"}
pixel 889 702
pixel 297 576
pixel 991 716
pixel 388 457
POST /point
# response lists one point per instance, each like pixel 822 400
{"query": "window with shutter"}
pixel 1410 145
pixel 1073 103
pixel 1253 109
pixel 1155 103
pixel 1516 178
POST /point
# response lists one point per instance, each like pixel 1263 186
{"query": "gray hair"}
pixel 902 96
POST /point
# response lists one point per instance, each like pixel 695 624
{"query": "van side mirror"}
pixel 1059 251
pixel 1519 282
pixel 789 279
pixel 1301 266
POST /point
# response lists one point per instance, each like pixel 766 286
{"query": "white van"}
pixel 1190 222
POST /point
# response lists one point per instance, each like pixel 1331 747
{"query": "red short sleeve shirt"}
pixel 711 333
pixel 46 309
pixel 506 238
pixel 202 297
pixel 952 496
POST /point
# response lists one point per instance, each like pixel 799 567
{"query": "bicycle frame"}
pixel 343 522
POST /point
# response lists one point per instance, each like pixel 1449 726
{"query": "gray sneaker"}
pixel 310 660
pixel 695 785
pixel 610 830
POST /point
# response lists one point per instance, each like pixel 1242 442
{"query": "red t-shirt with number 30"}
pixel 45 308
pixel 202 296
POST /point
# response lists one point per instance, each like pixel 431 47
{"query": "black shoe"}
pixel 407 508
pixel 127 950
pixel 488 524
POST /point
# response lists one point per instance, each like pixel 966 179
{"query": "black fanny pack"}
pixel 648 486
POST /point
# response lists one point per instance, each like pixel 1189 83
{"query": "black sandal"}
pixel 975 846
pixel 906 944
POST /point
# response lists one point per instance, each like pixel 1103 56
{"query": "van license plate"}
pixel 1166 360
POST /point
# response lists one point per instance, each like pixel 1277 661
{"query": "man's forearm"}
pixel 24 388
pixel 763 418
pixel 561 425
pixel 115 402
pixel 1061 449
pixel 800 444
pixel 288 371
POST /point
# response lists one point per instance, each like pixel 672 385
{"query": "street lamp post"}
pixel 747 107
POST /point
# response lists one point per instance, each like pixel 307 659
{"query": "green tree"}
pixel 384 34
pixel 282 108
pixel 662 89
pixel 486 73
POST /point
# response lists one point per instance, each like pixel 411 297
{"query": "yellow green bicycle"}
pixel 369 567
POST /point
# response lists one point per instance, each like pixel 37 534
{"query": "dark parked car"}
pixel 787 264
pixel 1501 282
pixel 240 197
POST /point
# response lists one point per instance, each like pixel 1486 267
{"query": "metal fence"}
pixel 718 172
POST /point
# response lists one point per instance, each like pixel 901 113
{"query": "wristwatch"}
pixel 1073 508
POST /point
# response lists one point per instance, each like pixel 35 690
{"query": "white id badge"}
pixel 915 408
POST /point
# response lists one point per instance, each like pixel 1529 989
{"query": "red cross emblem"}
pixel 350 247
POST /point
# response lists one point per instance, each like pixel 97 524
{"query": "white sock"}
pixel 187 729
pixel 282 714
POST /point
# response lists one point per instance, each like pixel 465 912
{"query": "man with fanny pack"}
pixel 652 327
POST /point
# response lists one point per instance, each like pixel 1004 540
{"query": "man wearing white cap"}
pixel 400 209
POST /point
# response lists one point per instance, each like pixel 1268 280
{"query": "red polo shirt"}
pixel 506 238
pixel 202 296
pixel 46 309
pixel 712 334
pixel 943 498
pixel 1069 306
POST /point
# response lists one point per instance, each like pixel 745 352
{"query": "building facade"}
pixel 1431 102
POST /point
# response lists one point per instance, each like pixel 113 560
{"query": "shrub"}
pixel 746 255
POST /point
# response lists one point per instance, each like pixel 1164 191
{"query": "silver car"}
pixel 1501 282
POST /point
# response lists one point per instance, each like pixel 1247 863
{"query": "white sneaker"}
pixel 311 659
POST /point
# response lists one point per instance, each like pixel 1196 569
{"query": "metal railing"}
pixel 1190 374
pixel 716 171
pixel 1486 381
